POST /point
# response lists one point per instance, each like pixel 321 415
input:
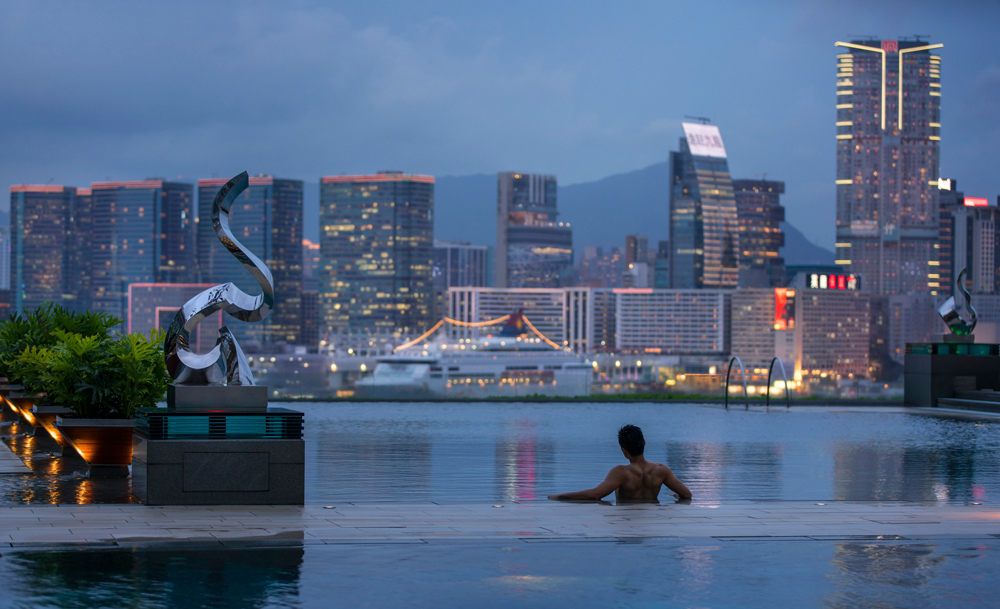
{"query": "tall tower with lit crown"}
pixel 888 134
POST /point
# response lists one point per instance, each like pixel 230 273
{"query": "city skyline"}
pixel 451 90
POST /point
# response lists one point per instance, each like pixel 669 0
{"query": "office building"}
pixel 142 232
pixel 457 264
pixel 636 249
pixel 704 227
pixel 949 199
pixel 4 259
pixel 310 319
pixel 832 325
pixel 310 265
pixel 888 123
pixel 968 240
pixel 661 270
pixel 600 269
pixel 266 219
pixel 534 249
pixel 754 327
pixel 376 255
pixel 80 242
pixel 154 305
pixel 39 223
pixel 760 216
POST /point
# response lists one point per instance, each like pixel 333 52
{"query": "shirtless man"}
pixel 639 480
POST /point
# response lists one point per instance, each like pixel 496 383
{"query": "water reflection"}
pixel 524 467
pixel 884 575
pixel 145 578
pixel 718 470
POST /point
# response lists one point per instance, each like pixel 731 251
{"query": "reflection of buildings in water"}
pixel 880 574
pixel 178 578
pixel 372 462
pixel 892 472
pixel 523 464
pixel 726 470
pixel 698 563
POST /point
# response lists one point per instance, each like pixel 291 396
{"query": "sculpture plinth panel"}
pixel 217 441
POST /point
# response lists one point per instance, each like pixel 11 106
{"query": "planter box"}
pixel 22 405
pixel 105 444
pixel 6 388
pixel 46 415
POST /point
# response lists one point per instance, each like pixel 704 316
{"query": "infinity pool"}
pixel 484 452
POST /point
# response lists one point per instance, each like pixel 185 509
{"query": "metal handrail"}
pixel 746 395
pixel 770 369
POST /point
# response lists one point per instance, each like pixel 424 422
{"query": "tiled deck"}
pixel 535 521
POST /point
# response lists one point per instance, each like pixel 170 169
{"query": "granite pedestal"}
pixel 935 371
pixel 210 449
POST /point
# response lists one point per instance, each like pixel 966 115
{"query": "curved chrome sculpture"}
pixel 225 363
pixel 949 311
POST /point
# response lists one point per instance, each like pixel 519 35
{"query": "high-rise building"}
pixel 376 255
pixel 661 276
pixel 80 242
pixel 40 245
pixel 636 249
pixel 267 219
pixel 704 226
pixel 888 131
pixel 761 239
pixel 142 232
pixel 4 259
pixel 534 249
pixel 949 198
pixel 975 245
pixel 457 264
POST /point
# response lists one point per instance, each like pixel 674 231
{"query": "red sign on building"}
pixel 890 46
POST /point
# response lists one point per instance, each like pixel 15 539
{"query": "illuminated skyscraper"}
pixel 534 249
pixel 761 238
pixel 376 253
pixel 267 219
pixel 142 232
pixel 704 227
pixel 41 245
pixel 888 131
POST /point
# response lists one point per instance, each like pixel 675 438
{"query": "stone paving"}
pixel 123 525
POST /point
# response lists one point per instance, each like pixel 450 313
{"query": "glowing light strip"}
pixel 899 121
pixel 477 324
pixel 540 335
pixel 874 50
pixel 422 337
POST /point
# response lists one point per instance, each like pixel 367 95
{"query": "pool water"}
pixel 477 452
pixel 633 573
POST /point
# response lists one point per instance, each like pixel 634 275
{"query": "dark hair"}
pixel 630 438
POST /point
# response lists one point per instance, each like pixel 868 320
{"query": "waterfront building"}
pixel 563 315
pixel 888 124
pixel 154 305
pixel 672 322
pixel 376 256
pixel 267 219
pixel 832 325
pixel 755 324
pixel 760 215
pixel 457 264
pixel 40 245
pixel 142 232
pixel 534 249
pixel 704 226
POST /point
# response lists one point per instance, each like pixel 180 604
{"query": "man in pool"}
pixel 640 480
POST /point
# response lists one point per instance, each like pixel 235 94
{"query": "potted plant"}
pixel 103 381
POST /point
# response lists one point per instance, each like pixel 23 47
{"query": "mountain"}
pixel 601 212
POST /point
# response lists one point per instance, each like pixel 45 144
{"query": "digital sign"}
pixel 704 140
pixel 975 202
pixel 784 309
pixel 834 282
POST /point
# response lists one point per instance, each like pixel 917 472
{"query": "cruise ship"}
pixel 511 364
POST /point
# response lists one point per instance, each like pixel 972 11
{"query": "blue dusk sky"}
pixel 124 90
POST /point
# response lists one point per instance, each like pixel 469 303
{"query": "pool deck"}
pixel 535 521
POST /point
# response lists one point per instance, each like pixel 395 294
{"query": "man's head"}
pixel 631 440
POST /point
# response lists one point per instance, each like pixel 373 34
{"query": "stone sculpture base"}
pixel 928 377
pixel 221 398
pixel 218 472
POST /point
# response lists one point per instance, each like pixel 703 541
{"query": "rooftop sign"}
pixel 975 202
pixel 704 140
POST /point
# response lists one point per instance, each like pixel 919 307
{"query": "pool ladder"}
pixel 770 370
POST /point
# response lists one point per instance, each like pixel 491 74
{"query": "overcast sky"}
pixel 126 90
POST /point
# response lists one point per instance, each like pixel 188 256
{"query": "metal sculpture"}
pixel 225 363
pixel 949 311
